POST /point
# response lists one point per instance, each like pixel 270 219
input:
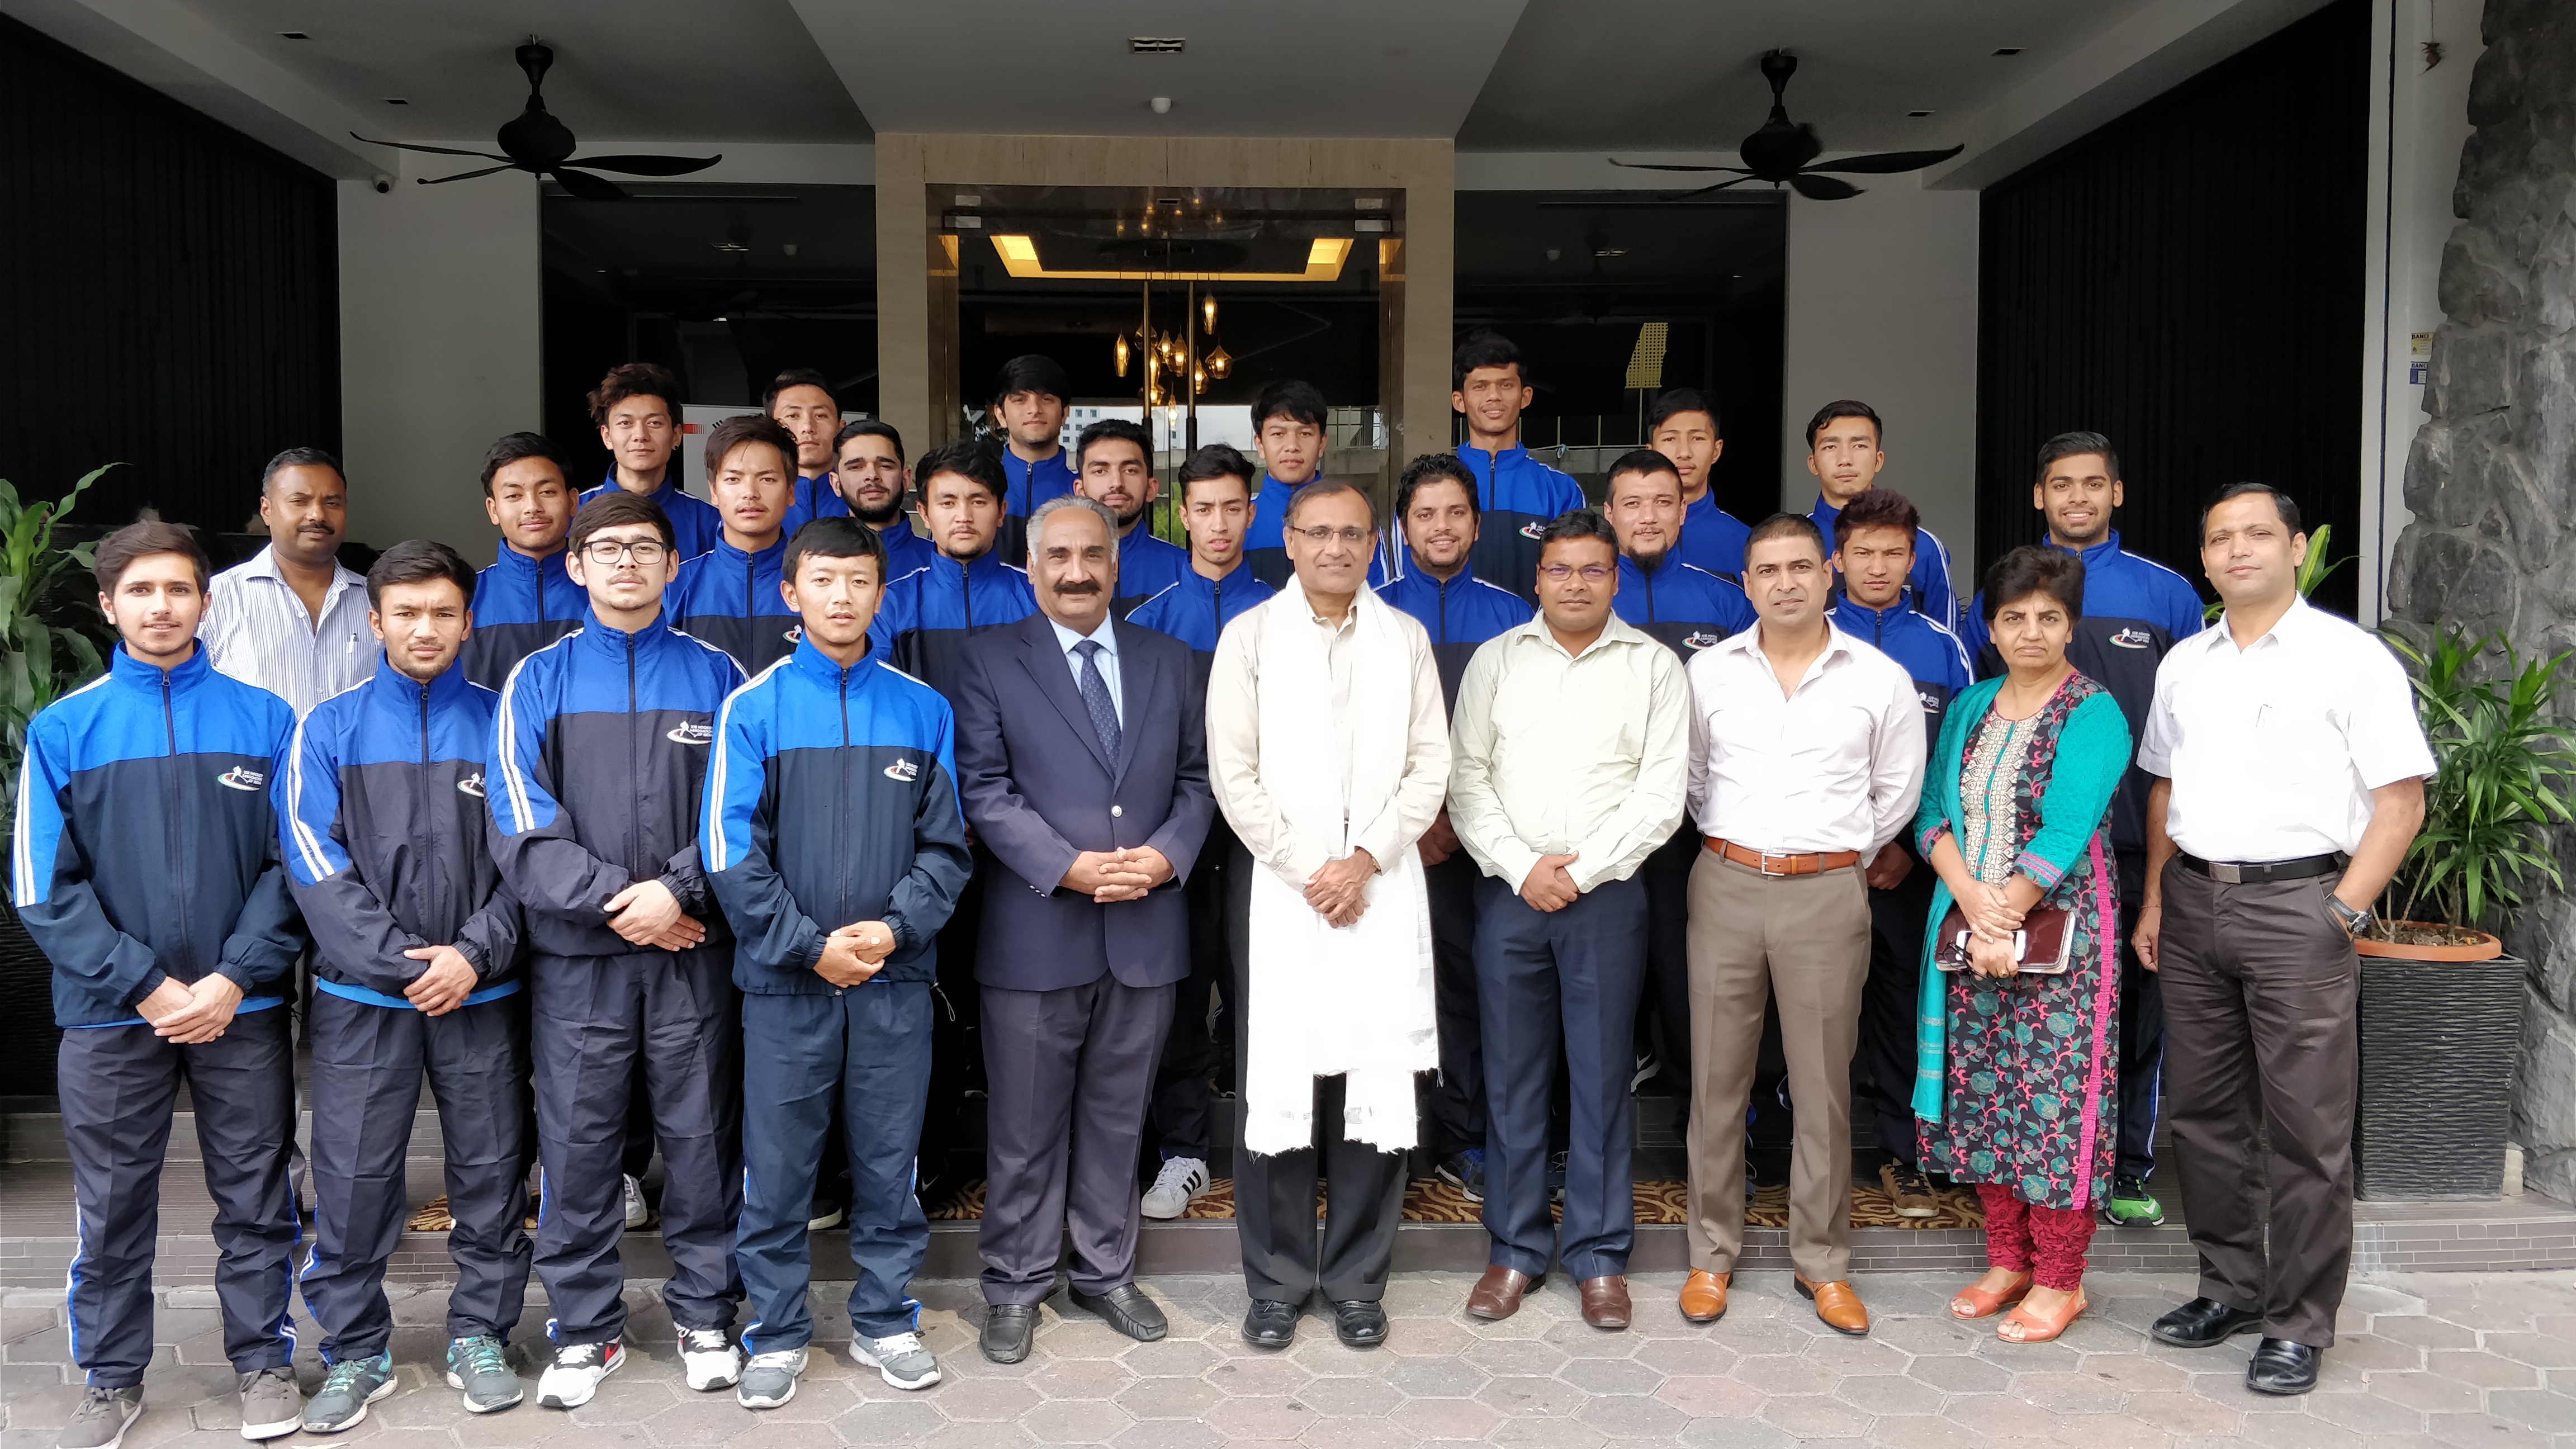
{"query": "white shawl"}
pixel 1353 1002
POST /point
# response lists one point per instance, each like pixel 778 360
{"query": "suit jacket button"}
pixel 1117 810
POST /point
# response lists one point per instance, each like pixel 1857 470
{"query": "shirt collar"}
pixel 263 565
pixel 2285 630
pixel 1616 631
pixel 1105 636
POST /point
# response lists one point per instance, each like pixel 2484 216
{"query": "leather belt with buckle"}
pixel 2306 867
pixel 1768 863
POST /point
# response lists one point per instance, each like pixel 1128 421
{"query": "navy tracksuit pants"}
pixel 1545 977
pixel 1456 1102
pixel 867 1048
pixel 591 1017
pixel 118 1085
pixel 368 1059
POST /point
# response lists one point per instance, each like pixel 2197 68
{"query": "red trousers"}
pixel 2047 1243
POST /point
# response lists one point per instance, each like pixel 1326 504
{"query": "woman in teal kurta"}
pixel 2016 1082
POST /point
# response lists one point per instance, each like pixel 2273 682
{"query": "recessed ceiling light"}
pixel 1918 115
pixel 2009 50
pixel 730 246
pixel 1155 44
pixel 293 35
pixel 1609 251
pixel 396 101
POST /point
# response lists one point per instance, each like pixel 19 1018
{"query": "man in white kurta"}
pixel 1328 743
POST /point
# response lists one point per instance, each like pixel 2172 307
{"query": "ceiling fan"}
pixel 1784 151
pixel 534 141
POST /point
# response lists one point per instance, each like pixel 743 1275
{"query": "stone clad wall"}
pixel 2491 479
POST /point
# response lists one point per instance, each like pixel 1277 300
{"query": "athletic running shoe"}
pixel 637 1214
pixel 898 1357
pixel 574 1376
pixel 2131 1205
pixel 1465 1171
pixel 1175 1188
pixel 827 1215
pixel 352 1384
pixel 1909 1190
pixel 102 1418
pixel 481 1367
pixel 710 1359
pixel 770 1379
pixel 271 1406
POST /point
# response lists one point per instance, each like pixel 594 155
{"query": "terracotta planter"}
pixel 2439 1028
pixel 2484 948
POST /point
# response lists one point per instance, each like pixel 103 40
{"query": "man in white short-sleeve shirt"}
pixel 2289 774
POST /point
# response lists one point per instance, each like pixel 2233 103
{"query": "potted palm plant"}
pixel 49 644
pixel 2441 1004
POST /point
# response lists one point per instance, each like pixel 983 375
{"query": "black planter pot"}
pixel 27 1030
pixel 2437 1046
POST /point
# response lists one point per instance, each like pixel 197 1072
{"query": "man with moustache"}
pixel 1682 425
pixel 1216 503
pixel 525 600
pixel 800 401
pixel 870 479
pixel 1113 461
pixel 1844 452
pixel 290 619
pixel 1436 514
pixel 637 410
pixel 1029 401
pixel 1807 755
pixel 730 596
pixel 1516 493
pixel 1082 758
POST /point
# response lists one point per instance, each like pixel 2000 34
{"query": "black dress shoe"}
pixel 2203 1323
pixel 1269 1323
pixel 1127 1309
pixel 1009 1329
pixel 1358 1324
pixel 2283 1368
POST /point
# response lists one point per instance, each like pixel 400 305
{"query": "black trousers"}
pixel 2142 1029
pixel 1889 1002
pixel 956 1050
pixel 1286 1254
pixel 2261 987
pixel 1456 1104
pixel 1219 896
pixel 1667 875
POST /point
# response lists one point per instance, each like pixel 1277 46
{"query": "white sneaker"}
pixel 710 1358
pixel 1181 1180
pixel 637 1215
pixel 574 1376
pixel 898 1358
pixel 771 1379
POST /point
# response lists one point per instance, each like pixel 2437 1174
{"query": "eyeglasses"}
pixel 1320 535
pixel 1559 573
pixel 610 550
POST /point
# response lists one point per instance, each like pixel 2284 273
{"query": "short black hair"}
pixel 417 561
pixel 867 428
pixel 2070 445
pixel 1672 402
pixel 1637 460
pixel 2287 505
pixel 635 379
pixel 300 458
pixel 1032 372
pixel 512 448
pixel 613 508
pixel 1113 430
pixel 2031 569
pixel 1845 408
pixel 1434 468
pixel 967 459
pixel 836 537
pixel 1876 508
pixel 1217 460
pixel 1329 488
pixel 1291 398
pixel 1577 523
pixel 1788 525
pixel 1484 348
pixel 745 428
pixel 795 377
pixel 118 551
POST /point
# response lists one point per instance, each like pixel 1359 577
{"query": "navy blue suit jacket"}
pixel 1039 789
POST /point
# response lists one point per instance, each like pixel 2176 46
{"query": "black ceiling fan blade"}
pixel 466 175
pixel 433 150
pixel 1823 188
pixel 1659 166
pixel 1705 190
pixel 1885 163
pixel 588 187
pixel 647 165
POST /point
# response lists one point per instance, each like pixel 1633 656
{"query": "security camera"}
pixel 384 183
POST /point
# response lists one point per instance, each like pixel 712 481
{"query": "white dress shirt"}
pixel 258 631
pixel 1553 752
pixel 1107 637
pixel 2273 749
pixel 1836 764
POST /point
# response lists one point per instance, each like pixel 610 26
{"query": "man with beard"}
pixel 1113 463
pixel 291 620
pixel 869 478
pixel 524 601
pixel 800 400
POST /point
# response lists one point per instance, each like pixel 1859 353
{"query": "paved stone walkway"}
pixel 2469 1361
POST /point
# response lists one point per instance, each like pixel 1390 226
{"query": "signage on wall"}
pixel 2419 358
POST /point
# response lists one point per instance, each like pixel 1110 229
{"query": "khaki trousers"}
pixel 1805 940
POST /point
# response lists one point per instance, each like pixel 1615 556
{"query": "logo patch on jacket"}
pixel 692 734
pixel 904 770
pixel 1932 703
pixel 2134 639
pixel 242 777
pixel 471 785
pixel 1702 639
pixel 1533 530
pixel 795 634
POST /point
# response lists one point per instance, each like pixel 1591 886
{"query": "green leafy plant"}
pixel 2505 781
pixel 2313 570
pixel 40 658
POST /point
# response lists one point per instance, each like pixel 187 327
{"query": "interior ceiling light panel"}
pixel 1155 44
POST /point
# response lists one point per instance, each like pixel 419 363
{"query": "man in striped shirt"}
pixel 291 620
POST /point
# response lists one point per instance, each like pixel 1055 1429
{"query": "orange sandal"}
pixel 1987 1305
pixel 2023 1326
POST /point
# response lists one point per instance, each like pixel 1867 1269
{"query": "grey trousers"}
pixel 2260 992
pixel 1068 1074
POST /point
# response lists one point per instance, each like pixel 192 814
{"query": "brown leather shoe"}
pixel 1498 1293
pixel 1605 1301
pixel 1837 1306
pixel 1704 1296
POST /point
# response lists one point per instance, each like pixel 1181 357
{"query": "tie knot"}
pixel 1088 648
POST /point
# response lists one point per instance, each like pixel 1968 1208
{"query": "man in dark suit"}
pixel 1082 752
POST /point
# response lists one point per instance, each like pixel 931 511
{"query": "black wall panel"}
pixel 2189 281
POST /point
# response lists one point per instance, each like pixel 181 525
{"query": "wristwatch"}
pixel 2353 922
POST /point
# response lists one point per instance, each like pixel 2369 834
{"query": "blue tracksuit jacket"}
pixel 1930 578
pixel 521 605
pixel 1459 614
pixel 599 748
pixel 730 599
pixel 695 523
pixel 831 798
pixel 906 551
pixel 387 836
pixel 1146 566
pixel 1932 656
pixel 923 624
pixel 1687 609
pixel 145 847
pixel 1713 539
pixel 814 498
pixel 1265 536
pixel 1196 609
